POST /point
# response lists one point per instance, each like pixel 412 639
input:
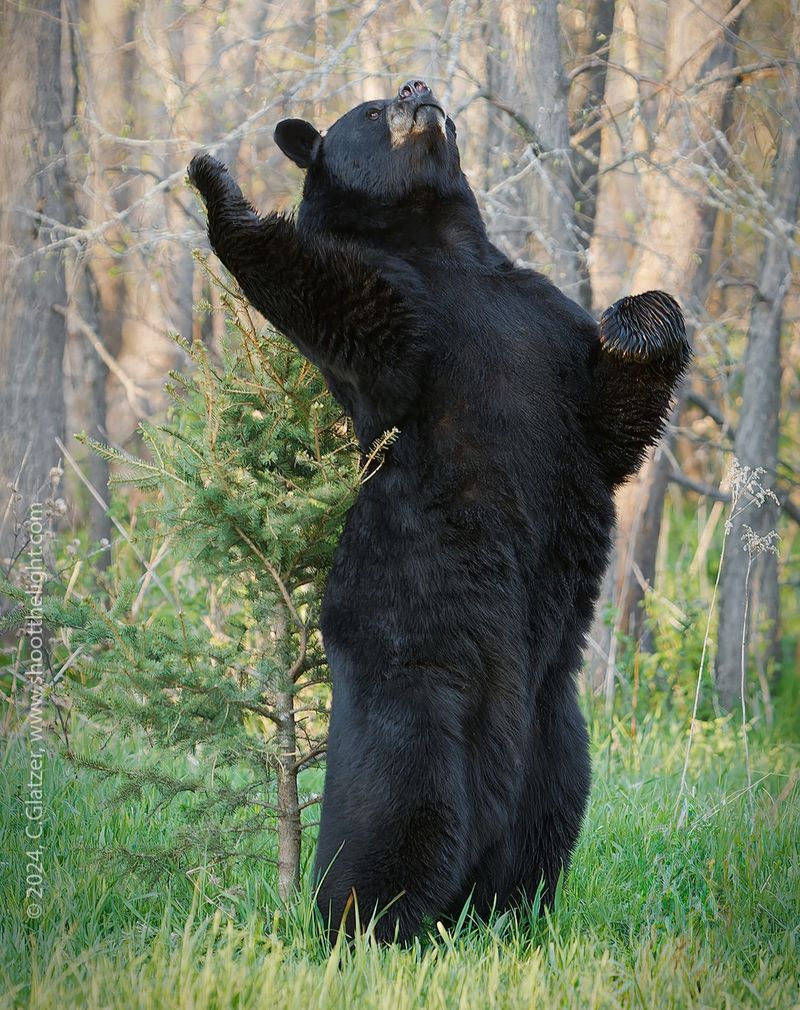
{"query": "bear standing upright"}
pixel 457 605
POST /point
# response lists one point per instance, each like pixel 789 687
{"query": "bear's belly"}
pixel 473 597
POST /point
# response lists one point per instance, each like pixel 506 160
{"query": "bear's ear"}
pixel 298 140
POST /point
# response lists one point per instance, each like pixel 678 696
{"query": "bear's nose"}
pixel 413 89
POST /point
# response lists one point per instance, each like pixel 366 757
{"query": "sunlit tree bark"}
pixel 623 134
pixel 674 237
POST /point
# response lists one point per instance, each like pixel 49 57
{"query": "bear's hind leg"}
pixel 395 819
pixel 555 802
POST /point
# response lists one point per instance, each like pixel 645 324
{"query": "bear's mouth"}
pixel 424 120
pixel 429 105
pixel 428 119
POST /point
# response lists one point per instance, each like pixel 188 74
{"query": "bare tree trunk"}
pixel 107 60
pixel 756 440
pixel 537 57
pixel 691 111
pixel 527 82
pixel 587 100
pixel 85 372
pixel 32 334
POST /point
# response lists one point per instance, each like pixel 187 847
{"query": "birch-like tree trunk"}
pixel 32 333
pixel 743 609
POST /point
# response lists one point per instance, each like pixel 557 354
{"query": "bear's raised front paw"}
pixel 208 175
pixel 645 327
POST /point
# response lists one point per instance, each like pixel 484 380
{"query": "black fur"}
pixel 456 608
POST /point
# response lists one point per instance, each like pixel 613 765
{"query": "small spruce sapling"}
pixel 247 485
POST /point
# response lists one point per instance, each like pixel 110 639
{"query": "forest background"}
pixel 615 145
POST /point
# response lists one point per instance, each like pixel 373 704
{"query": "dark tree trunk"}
pixel 527 83
pixel 591 85
pixel 32 333
pixel 756 439
pixel 542 71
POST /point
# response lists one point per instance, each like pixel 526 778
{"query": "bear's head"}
pixel 387 172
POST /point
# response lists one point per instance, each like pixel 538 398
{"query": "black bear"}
pixel 456 608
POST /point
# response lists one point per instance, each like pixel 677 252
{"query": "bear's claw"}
pixel 645 327
pixel 210 177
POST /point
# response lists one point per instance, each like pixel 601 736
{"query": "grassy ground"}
pixel 651 916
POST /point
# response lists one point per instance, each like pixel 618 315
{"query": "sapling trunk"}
pixel 285 764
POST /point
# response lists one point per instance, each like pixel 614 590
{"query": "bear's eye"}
pixel 374 114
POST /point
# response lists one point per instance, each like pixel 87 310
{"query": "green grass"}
pixel 650 916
